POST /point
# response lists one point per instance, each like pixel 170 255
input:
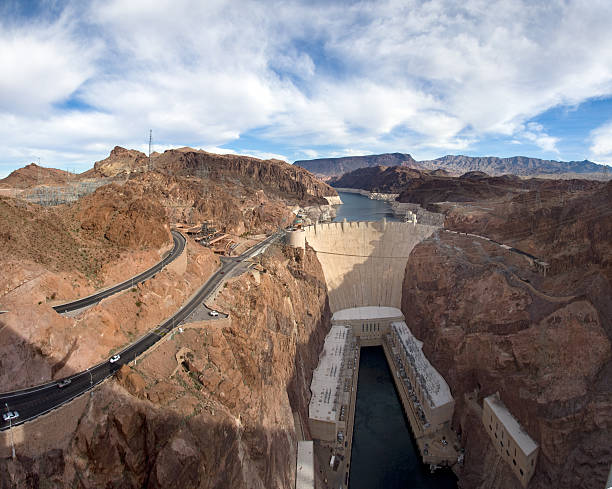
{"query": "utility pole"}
pixel 11 430
pixel 150 140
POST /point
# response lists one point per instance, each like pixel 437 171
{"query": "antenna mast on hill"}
pixel 150 140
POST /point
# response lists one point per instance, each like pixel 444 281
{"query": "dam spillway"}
pixel 364 262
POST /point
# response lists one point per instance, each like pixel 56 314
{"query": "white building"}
pixel 331 385
pixel 512 442
pixel 434 396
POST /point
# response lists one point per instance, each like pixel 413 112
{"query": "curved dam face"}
pixel 364 262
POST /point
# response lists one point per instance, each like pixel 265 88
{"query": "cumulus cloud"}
pixel 535 133
pixel 601 144
pixel 393 75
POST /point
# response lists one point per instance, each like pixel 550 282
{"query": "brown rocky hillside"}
pixel 32 175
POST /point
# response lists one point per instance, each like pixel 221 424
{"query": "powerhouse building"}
pixel 512 442
pixel 429 391
pixel 331 385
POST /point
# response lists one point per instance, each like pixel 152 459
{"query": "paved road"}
pixel 179 246
pixel 35 401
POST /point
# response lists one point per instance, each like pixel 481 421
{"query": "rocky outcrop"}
pixel 211 407
pixel 33 174
pixel 489 324
pixel 330 167
pixel 274 176
pixel 382 179
pixel 121 161
pixel 125 215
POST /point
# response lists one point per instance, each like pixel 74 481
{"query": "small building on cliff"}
pixel 512 442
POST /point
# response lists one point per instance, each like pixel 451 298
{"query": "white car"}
pixel 10 415
pixel 114 358
pixel 213 314
pixel 64 383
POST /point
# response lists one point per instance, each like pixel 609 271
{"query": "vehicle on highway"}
pixel 114 358
pixel 64 383
pixel 213 314
pixel 221 272
pixel 10 415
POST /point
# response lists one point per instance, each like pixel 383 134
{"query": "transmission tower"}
pixel 150 140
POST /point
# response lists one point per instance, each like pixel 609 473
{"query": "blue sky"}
pixel 299 80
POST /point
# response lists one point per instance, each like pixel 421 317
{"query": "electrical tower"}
pixel 150 140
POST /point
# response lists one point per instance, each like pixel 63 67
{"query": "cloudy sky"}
pixel 299 80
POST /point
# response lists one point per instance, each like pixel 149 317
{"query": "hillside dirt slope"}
pixel 211 407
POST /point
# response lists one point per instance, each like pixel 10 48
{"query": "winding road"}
pixel 179 246
pixel 38 400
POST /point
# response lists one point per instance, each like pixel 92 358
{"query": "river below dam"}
pixel 358 207
pixel 384 454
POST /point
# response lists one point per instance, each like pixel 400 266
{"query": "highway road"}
pixel 38 400
pixel 179 246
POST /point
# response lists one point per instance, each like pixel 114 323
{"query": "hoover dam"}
pixel 364 262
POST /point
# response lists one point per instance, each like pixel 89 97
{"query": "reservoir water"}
pixel 384 453
pixel 357 207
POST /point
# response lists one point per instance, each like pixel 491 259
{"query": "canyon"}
pixel 222 403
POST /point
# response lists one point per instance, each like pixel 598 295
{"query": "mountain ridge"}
pixel 523 166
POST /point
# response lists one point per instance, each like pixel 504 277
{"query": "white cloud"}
pixel 535 133
pixel 393 75
pixel 601 144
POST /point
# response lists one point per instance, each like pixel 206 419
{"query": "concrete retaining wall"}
pixel 364 262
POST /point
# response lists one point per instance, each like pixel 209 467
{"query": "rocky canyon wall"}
pixel 211 407
pixel 490 324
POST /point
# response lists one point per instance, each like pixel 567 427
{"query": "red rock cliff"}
pixel 489 324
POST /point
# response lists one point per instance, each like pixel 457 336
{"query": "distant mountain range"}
pixel 459 164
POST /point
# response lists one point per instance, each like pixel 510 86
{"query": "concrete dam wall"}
pixel 364 262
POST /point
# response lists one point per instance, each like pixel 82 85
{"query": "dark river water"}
pixel 359 208
pixel 384 453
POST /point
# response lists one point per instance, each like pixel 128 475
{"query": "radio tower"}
pixel 150 139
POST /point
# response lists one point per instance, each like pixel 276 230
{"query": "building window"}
pixel 496 436
pixel 521 471
pixel 532 462
pixel 507 453
pixel 491 427
pixel 514 461
pixel 501 443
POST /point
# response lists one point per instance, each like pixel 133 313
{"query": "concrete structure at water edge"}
pixel 296 238
pixel 332 386
pixel 512 442
pixel 364 262
pixel 368 323
pixel 304 470
pixel 424 393
pixel 434 402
